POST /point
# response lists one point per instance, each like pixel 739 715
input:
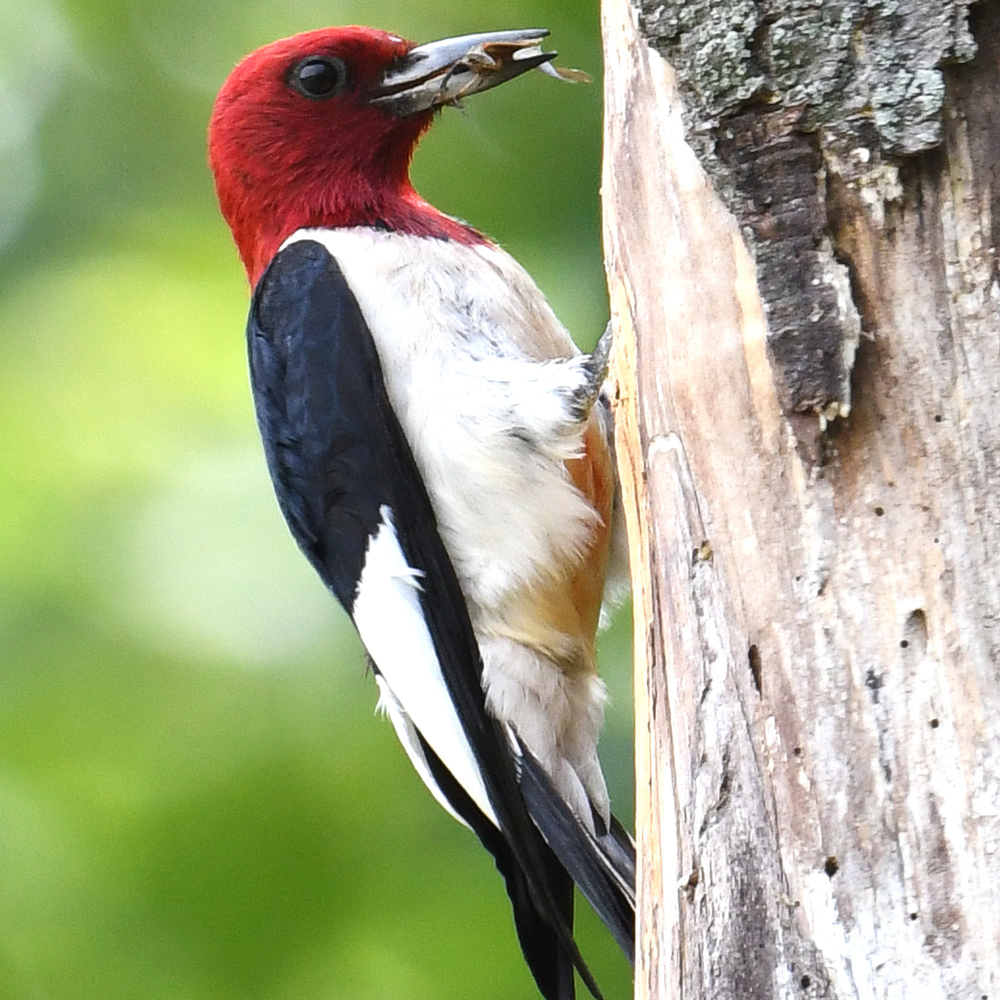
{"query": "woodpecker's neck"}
pixel 402 211
pixel 265 202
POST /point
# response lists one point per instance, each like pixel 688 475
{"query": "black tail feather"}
pixel 548 960
pixel 543 944
pixel 601 864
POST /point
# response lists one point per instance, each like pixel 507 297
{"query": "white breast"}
pixel 480 372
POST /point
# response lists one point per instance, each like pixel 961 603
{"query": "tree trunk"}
pixel 802 210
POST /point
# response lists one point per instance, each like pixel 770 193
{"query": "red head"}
pixel 319 130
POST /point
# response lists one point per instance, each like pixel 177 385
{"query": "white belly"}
pixel 477 367
pixel 481 375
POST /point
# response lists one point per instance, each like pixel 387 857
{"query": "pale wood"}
pixel 817 635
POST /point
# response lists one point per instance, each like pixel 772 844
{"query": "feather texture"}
pixel 351 490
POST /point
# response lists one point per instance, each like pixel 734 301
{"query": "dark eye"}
pixel 318 77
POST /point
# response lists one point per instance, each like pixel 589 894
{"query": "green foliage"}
pixel 195 801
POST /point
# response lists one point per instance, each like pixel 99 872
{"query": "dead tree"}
pixel 802 210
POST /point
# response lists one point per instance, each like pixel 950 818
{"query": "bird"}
pixel 441 452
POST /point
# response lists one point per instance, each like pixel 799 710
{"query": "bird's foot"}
pixel 595 367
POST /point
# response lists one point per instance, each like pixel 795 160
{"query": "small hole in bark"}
pixel 938 418
pixel 879 511
pixel 831 866
pixel 753 654
pixel 691 885
pixel 873 682
pixel 904 643
pixel 935 723
pixel 915 632
pixel 805 982
pixel 913 916
pixel 703 553
pixel 725 784
pixel 797 751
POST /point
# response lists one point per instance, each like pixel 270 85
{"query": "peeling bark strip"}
pixel 783 101
pixel 817 643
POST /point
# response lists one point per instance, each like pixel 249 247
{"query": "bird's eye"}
pixel 318 77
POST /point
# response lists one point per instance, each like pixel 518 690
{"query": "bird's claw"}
pixel 598 361
pixel 595 365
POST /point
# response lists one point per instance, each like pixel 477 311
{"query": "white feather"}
pixel 461 332
pixel 483 379
pixel 390 621
pixel 407 734
pixel 558 717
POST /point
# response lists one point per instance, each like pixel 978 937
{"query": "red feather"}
pixel 283 162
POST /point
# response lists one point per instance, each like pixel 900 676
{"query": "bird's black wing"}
pixel 355 502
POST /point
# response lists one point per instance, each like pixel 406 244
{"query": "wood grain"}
pixel 817 630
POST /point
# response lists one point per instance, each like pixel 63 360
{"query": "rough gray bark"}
pixel 801 233
pixel 784 101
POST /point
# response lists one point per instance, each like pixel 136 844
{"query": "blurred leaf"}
pixel 195 800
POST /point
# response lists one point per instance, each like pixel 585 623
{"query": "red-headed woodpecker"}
pixel 439 449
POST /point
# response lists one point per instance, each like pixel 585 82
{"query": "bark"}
pixel 802 209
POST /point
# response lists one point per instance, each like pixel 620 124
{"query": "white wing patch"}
pixel 408 736
pixel 390 621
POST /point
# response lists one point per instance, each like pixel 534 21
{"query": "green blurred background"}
pixel 196 802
